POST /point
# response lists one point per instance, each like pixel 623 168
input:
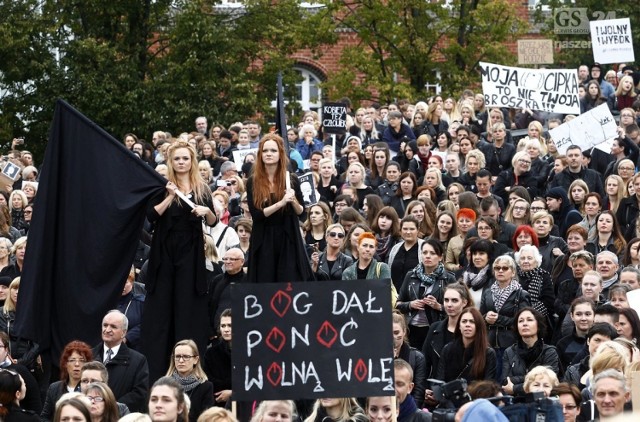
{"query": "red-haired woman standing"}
pixel 276 251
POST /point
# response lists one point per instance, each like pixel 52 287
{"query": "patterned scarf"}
pixel 428 279
pixel 500 296
pixel 532 282
pixel 473 280
pixel 384 246
pixel 188 383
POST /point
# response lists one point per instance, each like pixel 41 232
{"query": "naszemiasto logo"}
pixel 575 20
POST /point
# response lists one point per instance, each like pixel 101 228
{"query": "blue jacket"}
pixel 305 149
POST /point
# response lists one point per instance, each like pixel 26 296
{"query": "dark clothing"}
pixel 501 334
pixel 505 237
pixel 541 294
pixel 128 376
pixel 546 247
pixel 508 178
pixel 415 358
pixel 132 305
pixel 32 400
pixel 412 289
pixel 567 291
pixel 393 138
pixel 626 215
pixel 217 365
pixel 498 158
pixel 519 359
pixel 277 252
pixel 176 284
pixel 55 391
pixel 221 295
pixel 328 193
pixel 569 347
pixel 23 350
pixel 409 412
pixel 17 414
pixel 590 177
pixel 201 399
pixel 387 191
pixel 333 272
pixel 437 338
pixel 575 372
pixel 459 361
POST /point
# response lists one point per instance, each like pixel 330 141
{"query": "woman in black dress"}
pixel 177 279
pixel 276 251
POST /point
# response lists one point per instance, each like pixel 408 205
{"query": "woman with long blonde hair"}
pixel 177 275
pixel 275 201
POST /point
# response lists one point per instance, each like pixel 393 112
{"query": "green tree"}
pixel 407 43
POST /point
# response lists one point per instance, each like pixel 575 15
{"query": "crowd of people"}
pixel 511 265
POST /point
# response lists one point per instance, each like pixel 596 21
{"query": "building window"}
pixel 309 94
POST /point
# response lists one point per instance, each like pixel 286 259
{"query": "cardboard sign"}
pixel 611 41
pixel 588 130
pixel 334 118
pixel 239 155
pixel 537 89
pixel 312 340
pixel 535 51
pixel 11 171
pixel 308 189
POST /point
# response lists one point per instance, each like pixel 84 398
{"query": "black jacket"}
pixel 201 399
pixel 626 215
pixel 449 350
pixel 433 345
pixel 498 159
pixel 387 191
pixel 514 367
pixel 335 273
pixel 415 358
pixel 574 372
pixel 128 376
pixel 590 177
pixel 501 334
pixel 413 289
pixel 217 365
pixel 507 178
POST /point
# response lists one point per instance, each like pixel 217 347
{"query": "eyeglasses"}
pixel 76 361
pixel 626 168
pixel 569 407
pixel 336 234
pixel 95 399
pixel 183 357
pixel 524 161
pixel 626 115
pixel 534 209
pixel 231 259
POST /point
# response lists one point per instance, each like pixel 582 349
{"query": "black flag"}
pixel 281 121
pixel 86 224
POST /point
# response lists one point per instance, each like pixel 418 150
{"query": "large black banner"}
pixel 312 340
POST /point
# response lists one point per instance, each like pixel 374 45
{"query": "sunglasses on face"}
pixel 336 234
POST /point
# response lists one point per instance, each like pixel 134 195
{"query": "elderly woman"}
pixel 421 294
pixel 540 380
pixel 528 351
pixel 330 263
pixel 308 142
pixel 104 407
pixel 536 281
pixel 185 368
pixel 74 355
pixel 500 304
pixel 519 174
pixel 405 255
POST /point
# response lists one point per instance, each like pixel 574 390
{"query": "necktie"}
pixel 109 356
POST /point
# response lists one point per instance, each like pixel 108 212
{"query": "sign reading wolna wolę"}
pixel 312 340
pixel 552 90
pixel 611 41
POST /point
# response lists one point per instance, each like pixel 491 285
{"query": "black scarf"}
pixel 458 361
pixel 529 355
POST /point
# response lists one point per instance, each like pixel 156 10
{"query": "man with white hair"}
pixel 610 393
pixel 607 267
pixel 201 126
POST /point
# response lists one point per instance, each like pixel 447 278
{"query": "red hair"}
pixel 367 235
pixel 261 186
pixel 80 347
pixel 525 229
pixel 466 212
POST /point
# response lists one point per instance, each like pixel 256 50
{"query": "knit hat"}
pixel 5 281
pixel 557 193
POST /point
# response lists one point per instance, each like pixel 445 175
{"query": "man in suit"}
pixel 128 369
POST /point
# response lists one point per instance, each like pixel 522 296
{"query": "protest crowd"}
pixel 513 266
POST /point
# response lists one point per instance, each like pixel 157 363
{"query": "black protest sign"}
pixel 334 118
pixel 308 189
pixel 312 340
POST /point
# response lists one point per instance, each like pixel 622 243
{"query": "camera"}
pixel 20 140
pixel 222 183
pixel 451 395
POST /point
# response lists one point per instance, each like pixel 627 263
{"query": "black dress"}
pixel 175 307
pixel 277 252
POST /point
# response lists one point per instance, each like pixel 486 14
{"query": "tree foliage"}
pixel 144 65
pixel 408 43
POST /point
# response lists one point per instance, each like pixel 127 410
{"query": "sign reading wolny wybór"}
pixel 312 340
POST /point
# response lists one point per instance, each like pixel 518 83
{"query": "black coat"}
pixel 413 289
pixel 514 367
pixel 201 399
pixel 501 334
pixel 217 365
pixel 590 177
pixel 433 345
pixel 17 414
pixel 444 373
pixel 55 391
pixel 128 376
pixel 335 273
pixel 507 178
pixel 415 358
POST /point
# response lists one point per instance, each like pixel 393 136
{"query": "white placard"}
pixel 588 130
pixel 238 156
pixel 552 90
pixel 611 41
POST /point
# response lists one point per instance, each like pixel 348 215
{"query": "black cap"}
pixel 5 281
